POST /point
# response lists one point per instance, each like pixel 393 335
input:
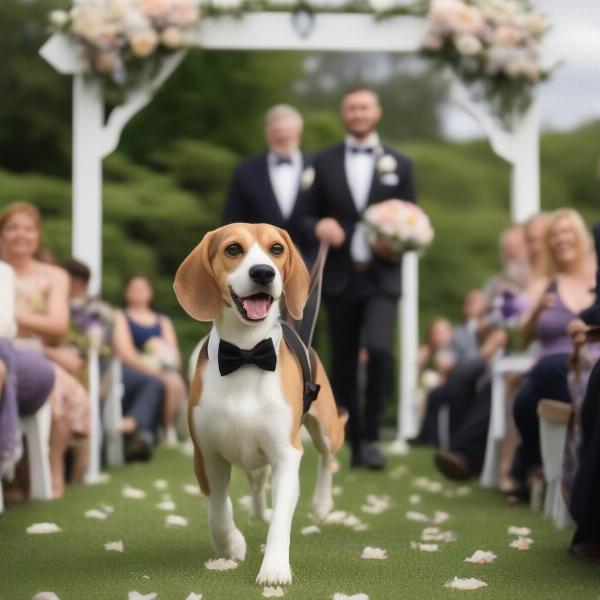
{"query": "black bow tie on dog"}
pixel 231 358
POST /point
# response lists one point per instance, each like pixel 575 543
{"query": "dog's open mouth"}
pixel 255 307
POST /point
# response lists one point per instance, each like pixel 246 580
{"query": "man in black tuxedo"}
pixel 267 188
pixel 361 284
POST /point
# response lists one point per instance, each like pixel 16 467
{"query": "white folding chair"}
pixel 36 429
pixel 113 416
pixel 501 366
pixel 553 421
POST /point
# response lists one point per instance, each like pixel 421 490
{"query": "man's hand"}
pixel 383 248
pixel 330 231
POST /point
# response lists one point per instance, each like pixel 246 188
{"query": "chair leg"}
pixel 37 433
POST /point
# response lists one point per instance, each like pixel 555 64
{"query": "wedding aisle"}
pixel 425 527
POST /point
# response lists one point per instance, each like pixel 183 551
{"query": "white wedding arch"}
pixel 95 137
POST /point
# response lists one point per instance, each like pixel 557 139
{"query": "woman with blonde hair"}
pixel 42 316
pixel 569 264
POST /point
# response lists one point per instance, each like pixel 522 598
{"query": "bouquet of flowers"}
pixel 159 355
pixel 403 224
pixel 493 43
pixel 115 33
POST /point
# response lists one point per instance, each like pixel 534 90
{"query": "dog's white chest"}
pixel 242 416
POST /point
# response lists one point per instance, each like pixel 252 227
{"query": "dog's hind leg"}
pixel 227 539
pixel 258 485
pixel 323 497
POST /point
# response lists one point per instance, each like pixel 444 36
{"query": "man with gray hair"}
pixel 266 188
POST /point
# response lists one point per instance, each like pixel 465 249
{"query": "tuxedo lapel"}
pixel 375 183
pixel 269 193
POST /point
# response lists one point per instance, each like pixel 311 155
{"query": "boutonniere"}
pixel 386 164
pixel 308 176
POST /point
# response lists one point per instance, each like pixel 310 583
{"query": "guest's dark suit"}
pixel 361 299
pixel 251 199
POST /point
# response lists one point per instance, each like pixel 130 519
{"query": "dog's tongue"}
pixel 256 307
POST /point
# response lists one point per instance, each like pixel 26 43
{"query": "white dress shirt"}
pixel 360 167
pixel 285 181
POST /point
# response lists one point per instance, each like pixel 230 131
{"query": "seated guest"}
pixel 436 357
pixel 146 342
pixel 42 316
pixel 565 292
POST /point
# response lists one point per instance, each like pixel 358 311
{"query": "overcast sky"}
pixel 572 95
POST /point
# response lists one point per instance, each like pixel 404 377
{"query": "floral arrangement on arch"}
pixel 116 35
pixel 492 46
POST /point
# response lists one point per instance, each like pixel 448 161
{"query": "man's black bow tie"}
pixel 231 358
pixel 362 149
pixel 283 160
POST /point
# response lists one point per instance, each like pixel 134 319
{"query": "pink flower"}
pixel 507 36
pixel 143 43
pixel 155 9
pixel 184 13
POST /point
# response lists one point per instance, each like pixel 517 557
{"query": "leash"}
pixel 306 326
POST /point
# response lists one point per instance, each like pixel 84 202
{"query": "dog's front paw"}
pixel 274 572
pixel 236 545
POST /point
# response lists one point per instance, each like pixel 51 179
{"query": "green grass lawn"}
pixel 170 560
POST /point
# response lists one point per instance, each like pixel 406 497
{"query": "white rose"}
pixel 381 5
pixel 387 164
pixel 143 43
pixel 467 45
pixel 59 18
pixel 171 38
pixel 308 176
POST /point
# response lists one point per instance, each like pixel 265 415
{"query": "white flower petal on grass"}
pixel 138 596
pixel 462 491
pixel 520 531
pixel 521 543
pixel 465 584
pixel 131 492
pixel 310 530
pixel 435 534
pixel 175 521
pixel 191 489
pixel 160 484
pixel 107 509
pixel 45 596
pixel 101 479
pixel 166 505
pixel 337 490
pixel 273 592
pixel 351 521
pixel 361 527
pixel 414 499
pixel 43 528
pixel 481 557
pixel 339 596
pixel 398 472
pixel 193 596
pixel 424 547
pixel 440 517
pixel 114 546
pixel 370 553
pixel 220 564
pixel 376 504
pixel 336 517
pixel 96 514
pixel 412 515
pixel 424 483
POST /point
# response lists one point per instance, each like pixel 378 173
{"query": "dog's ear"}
pixel 195 284
pixel 296 280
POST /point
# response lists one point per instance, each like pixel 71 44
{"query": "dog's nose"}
pixel 262 274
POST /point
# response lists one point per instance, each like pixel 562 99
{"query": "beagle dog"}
pixel 247 395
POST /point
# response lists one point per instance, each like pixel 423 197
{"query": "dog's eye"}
pixel 277 249
pixel 234 250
